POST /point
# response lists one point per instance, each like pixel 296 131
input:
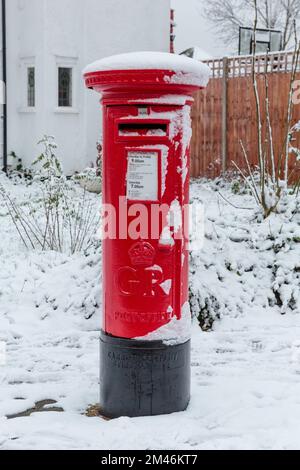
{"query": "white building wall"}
pixel 25 45
pixel 2 98
pixel 49 33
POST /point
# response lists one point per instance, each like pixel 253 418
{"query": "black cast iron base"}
pixel 141 378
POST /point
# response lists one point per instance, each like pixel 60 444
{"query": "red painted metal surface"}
pixel 136 83
pixel 145 280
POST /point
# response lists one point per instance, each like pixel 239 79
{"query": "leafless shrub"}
pixel 273 170
pixel 59 217
pixel 228 15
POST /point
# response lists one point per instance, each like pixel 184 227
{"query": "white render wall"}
pixel 2 98
pixel 49 33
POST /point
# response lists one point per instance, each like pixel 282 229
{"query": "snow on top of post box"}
pixel 186 71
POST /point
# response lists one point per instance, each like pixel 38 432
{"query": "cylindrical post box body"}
pixel 145 341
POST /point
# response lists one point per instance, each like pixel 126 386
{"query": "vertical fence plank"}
pixel 224 114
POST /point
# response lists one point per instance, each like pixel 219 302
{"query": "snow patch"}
pixel 177 331
pixel 166 238
pixel 175 100
pixel 187 133
pixel 182 78
pixel 166 286
pixel 174 217
pixel 242 371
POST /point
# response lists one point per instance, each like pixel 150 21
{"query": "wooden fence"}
pixel 225 113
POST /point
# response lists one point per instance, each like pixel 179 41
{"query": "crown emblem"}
pixel 142 254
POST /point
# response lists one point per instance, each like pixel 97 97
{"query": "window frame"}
pixel 71 63
pixel 70 90
pixel 25 64
pixel 28 91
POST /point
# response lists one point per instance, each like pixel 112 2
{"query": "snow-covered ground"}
pixel 245 372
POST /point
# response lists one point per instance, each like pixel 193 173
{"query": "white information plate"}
pixel 142 176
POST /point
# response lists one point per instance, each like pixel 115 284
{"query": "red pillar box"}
pixel 145 342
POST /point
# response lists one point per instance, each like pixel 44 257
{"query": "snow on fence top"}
pixel 187 71
pixel 242 66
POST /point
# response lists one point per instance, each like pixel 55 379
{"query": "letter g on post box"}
pixel 146 99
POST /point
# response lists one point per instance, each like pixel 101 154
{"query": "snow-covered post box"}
pixel 145 340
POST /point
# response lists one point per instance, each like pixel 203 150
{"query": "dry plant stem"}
pixel 47 222
pixel 285 150
pixel 16 214
pixel 57 224
pixel 270 191
pixel 252 189
pixel 289 114
pixel 83 225
pixel 14 222
pixel 69 219
pixel 87 224
pixel 53 220
pixel 234 205
pixel 93 222
pixel 38 229
pixel 250 174
pixel 270 131
pixel 258 107
pixel 78 220
pixel 59 239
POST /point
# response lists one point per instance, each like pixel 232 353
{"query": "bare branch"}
pixel 227 16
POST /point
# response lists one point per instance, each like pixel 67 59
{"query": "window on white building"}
pixel 31 87
pixel 65 87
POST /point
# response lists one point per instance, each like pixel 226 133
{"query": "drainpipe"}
pixel 4 78
pixel 172 33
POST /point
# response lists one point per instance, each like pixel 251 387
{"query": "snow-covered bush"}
pixel 286 270
pixel 246 263
pixel 58 216
pixel 205 307
pixel 286 285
